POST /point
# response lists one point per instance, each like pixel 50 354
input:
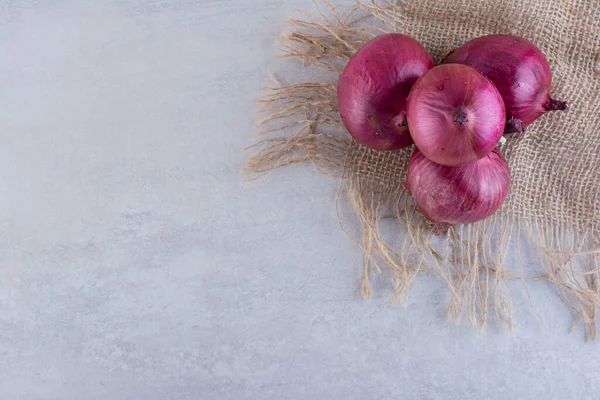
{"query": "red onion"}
pixel 520 72
pixel 373 88
pixel 458 195
pixel 455 115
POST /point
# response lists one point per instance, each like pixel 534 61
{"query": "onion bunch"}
pixel 391 95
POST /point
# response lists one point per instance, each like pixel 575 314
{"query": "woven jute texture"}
pixel 555 194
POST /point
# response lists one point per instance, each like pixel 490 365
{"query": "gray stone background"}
pixel 136 264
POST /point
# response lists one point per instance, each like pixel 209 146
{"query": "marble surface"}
pixel 136 264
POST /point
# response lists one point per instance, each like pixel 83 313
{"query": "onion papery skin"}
pixel 455 115
pixel 458 195
pixel 520 72
pixel 373 88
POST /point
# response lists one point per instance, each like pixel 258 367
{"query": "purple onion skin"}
pixel 520 72
pixel 458 195
pixel 373 88
pixel 455 115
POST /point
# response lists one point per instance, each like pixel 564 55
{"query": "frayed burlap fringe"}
pixel 557 212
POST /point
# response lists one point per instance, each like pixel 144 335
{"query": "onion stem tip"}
pixel 514 125
pixel 556 105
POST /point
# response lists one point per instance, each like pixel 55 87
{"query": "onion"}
pixel 373 88
pixel 520 72
pixel 455 115
pixel 458 195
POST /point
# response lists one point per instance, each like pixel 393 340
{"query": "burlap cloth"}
pixel 555 194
